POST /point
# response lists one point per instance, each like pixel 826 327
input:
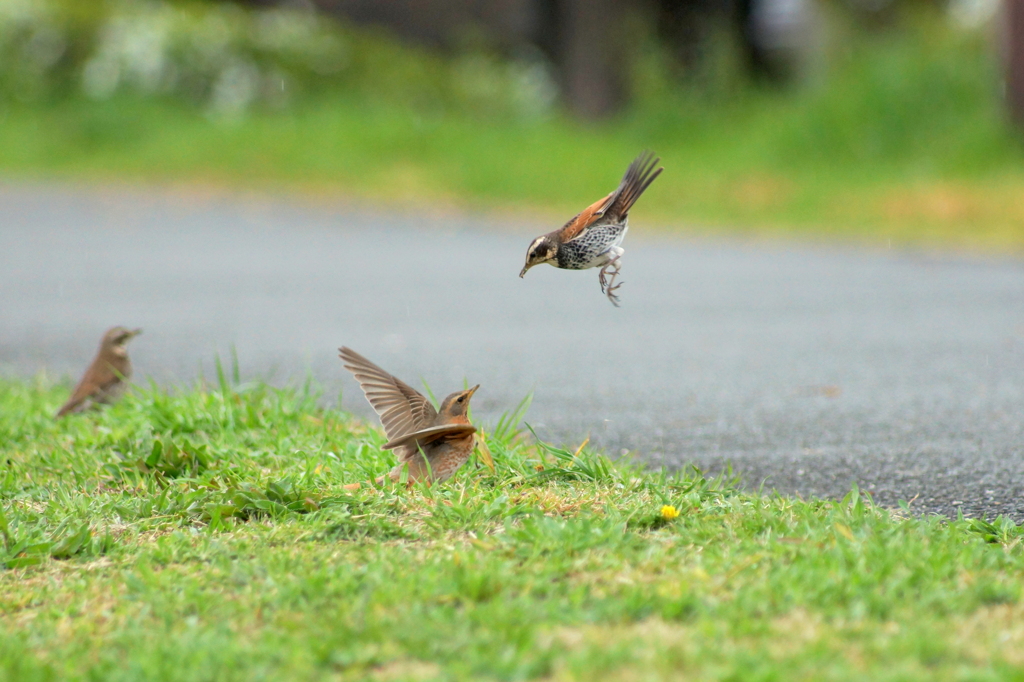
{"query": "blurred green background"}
pixel 883 122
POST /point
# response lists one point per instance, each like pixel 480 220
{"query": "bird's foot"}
pixel 610 293
pixel 608 285
pixel 602 276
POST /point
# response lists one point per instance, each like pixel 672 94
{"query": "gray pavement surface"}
pixel 806 368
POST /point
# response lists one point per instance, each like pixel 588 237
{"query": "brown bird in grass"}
pixel 106 380
pixel 433 444
pixel 593 237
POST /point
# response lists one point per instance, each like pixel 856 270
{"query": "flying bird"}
pixel 594 237
pixel 433 444
pixel 106 380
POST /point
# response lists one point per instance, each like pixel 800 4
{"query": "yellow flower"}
pixel 668 512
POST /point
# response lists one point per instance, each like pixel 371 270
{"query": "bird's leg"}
pixel 602 275
pixel 608 285
pixel 611 293
pixel 601 278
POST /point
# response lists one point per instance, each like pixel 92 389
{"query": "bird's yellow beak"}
pixel 135 332
pixel 473 390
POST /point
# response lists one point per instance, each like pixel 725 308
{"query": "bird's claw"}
pixel 603 279
pixel 608 285
pixel 611 295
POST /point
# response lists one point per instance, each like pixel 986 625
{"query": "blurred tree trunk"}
pixel 1015 59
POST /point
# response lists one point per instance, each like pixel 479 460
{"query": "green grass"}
pixel 901 140
pixel 206 535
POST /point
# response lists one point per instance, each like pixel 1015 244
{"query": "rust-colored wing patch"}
pixel 583 219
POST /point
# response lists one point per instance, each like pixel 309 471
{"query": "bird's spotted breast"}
pixel 590 248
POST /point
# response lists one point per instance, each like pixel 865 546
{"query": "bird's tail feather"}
pixel 640 174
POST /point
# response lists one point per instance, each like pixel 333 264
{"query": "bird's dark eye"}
pixel 461 398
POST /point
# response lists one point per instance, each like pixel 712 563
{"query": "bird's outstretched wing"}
pixel 427 436
pixel 403 410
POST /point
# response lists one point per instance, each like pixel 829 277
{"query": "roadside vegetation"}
pixel 205 533
pixel 897 136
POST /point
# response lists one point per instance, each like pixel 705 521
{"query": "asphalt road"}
pixel 806 368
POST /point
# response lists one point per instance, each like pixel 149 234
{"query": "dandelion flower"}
pixel 668 512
